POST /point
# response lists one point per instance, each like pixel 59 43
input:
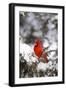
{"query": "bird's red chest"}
pixel 38 51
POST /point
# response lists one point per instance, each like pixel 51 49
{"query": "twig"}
pixel 51 51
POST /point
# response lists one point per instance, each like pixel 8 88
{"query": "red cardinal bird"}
pixel 38 49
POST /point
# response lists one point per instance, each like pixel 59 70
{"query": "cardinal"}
pixel 39 51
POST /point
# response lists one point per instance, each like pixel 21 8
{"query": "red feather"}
pixel 38 49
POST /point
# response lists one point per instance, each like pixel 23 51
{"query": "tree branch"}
pixel 51 51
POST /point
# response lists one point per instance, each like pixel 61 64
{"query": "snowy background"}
pixel 38 25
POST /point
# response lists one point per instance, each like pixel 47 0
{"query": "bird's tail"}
pixel 44 55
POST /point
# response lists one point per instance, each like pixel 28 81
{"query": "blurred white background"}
pixel 4 24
